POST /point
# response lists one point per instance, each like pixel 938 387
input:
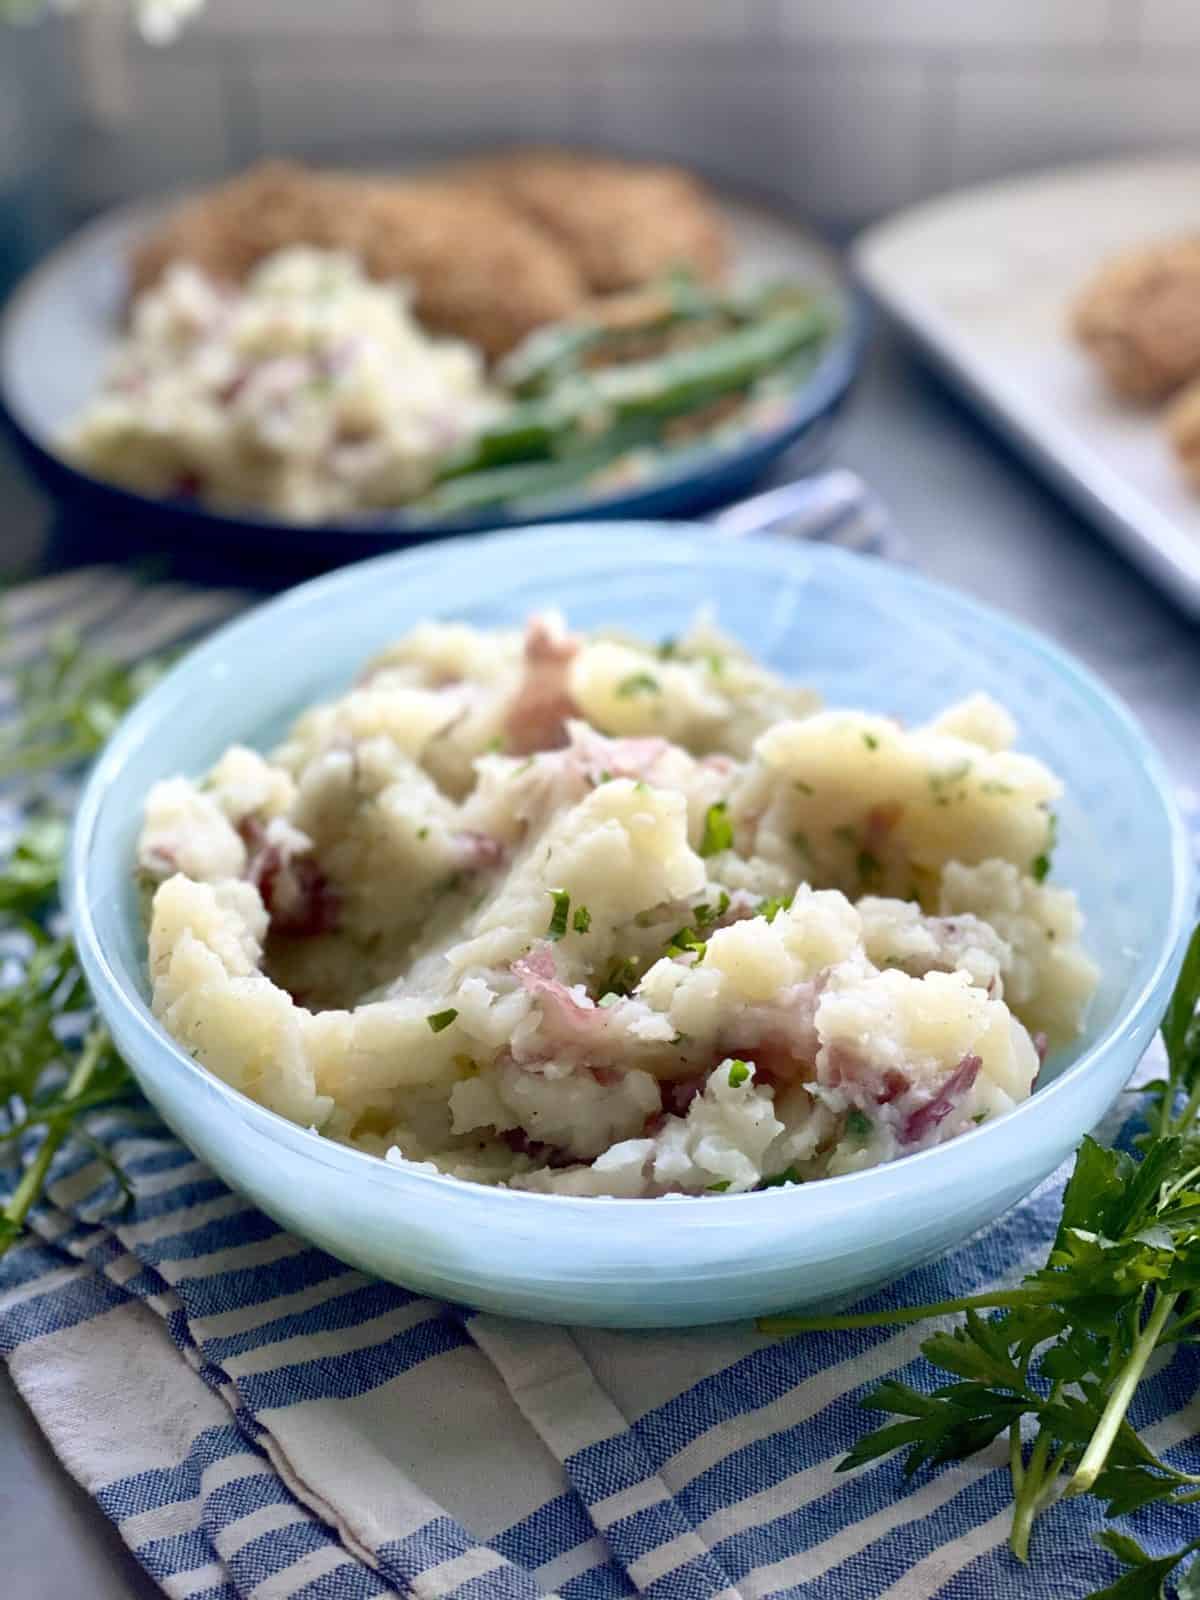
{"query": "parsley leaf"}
pixel 718 829
pixel 1040 867
pixel 560 914
pixel 739 1073
pixel 582 920
pixel 638 683
pixel 440 1020
pixel 1056 1361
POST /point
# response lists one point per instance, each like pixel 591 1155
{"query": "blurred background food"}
pixel 1139 318
pixel 316 343
pixel 625 119
pixel 842 109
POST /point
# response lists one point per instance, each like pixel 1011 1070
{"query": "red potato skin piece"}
pixel 299 899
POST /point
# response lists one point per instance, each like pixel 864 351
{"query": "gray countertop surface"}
pixel 974 517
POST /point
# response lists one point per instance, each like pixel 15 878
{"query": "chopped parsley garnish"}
pixel 719 1188
pixel 939 782
pixel 638 683
pixel 560 916
pixel 869 869
pixel 716 663
pixel 422 833
pixel 718 830
pixel 1041 862
pixel 788 1175
pixel 980 1116
pixel 800 842
pixel 667 648
pixel 739 1073
pixel 771 908
pixel 582 920
pixel 858 1124
pixel 703 915
pixel 803 788
pixel 845 833
pixel 621 978
pixel 871 741
pixel 609 999
pixel 685 941
pixel 496 745
pixel 994 786
pixel 441 1020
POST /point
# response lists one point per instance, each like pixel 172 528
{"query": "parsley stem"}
pixel 34 757
pixel 1092 1462
pixel 781 1326
pixel 27 1191
pixel 1186 1117
pixel 1031 1486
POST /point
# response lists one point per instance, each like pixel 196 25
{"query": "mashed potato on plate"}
pixel 584 916
pixel 308 392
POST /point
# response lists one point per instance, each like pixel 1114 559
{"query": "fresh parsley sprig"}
pixel 57 1062
pixel 1057 1363
pixel 69 700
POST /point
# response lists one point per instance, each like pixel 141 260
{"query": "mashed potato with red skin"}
pixel 577 915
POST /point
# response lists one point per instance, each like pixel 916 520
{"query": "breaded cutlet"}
pixel 1139 317
pixel 622 222
pixel 479 269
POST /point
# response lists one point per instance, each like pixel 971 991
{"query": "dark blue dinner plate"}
pixel 59 325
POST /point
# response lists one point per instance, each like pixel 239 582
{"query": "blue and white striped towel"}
pixel 260 1421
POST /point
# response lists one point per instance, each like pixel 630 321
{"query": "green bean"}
pixel 685 379
pixel 525 432
pixel 584 408
pixel 548 355
pixel 529 480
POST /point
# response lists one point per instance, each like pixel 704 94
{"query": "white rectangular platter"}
pixel 984 281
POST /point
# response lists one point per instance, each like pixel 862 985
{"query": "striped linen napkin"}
pixel 260 1421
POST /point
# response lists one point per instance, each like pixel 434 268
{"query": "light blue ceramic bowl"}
pixel 862 633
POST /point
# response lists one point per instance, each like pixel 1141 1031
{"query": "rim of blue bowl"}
pixel 1138 1020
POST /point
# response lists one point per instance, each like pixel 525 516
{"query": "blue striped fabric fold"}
pixel 260 1421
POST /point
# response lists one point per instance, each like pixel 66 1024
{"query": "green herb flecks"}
pixel 949 778
pixel 686 941
pixel 638 683
pixel 1055 1362
pixel 739 1073
pixel 858 1124
pixel 770 908
pixel 621 978
pixel 560 916
pixel 1040 866
pixel 441 1020
pixel 718 830
pixel 582 920
pixel 779 1179
pixel 870 869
